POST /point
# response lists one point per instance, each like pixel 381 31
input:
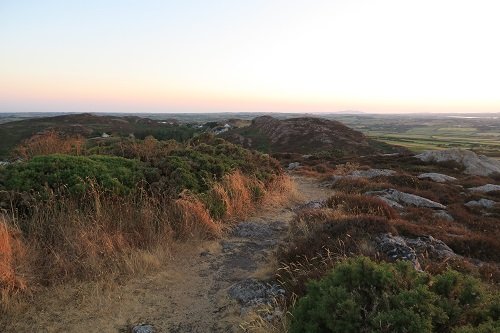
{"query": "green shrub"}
pixel 360 295
pixel 116 174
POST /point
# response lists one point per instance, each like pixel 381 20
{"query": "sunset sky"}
pixel 392 56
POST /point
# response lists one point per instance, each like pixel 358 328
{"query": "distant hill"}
pixel 89 125
pixel 304 135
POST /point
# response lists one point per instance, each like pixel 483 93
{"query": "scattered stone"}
pixel 444 215
pixel 293 165
pixel 143 328
pixel 306 156
pixel 436 177
pixel 474 164
pixel 486 188
pixel 482 203
pixel 396 248
pixel 252 292
pixel 406 199
pixel 391 203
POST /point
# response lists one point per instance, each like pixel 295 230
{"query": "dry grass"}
pixel 50 142
pixel 102 236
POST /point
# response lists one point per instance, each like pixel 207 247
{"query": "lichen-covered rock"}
pixel 474 164
pixel 443 215
pixel 430 246
pixel 481 203
pixel 488 188
pixel 436 177
pixel 396 248
pixel 251 292
pixel 293 165
pixel 406 199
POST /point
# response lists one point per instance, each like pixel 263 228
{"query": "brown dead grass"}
pixel 50 142
pixel 106 237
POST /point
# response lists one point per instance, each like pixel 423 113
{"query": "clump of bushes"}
pixel 360 295
pixel 116 174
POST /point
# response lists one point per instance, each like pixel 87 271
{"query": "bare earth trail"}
pixel 190 295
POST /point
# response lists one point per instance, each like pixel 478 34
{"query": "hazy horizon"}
pixel 387 56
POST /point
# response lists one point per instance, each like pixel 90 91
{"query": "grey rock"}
pixel 406 199
pixel 437 177
pixel 474 164
pixel 482 203
pixel 143 328
pixel 428 245
pixel 293 165
pixel 251 292
pixel 396 248
pixel 391 203
pixel 306 156
pixel 485 188
pixel 254 230
pixel 444 215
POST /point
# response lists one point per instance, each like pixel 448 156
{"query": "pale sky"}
pixel 168 56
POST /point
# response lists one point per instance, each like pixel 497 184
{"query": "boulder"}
pixel 406 199
pixel 474 164
pixel 481 203
pixel 486 188
pixel 443 215
pixel 436 177
pixel 293 165
pixel 396 248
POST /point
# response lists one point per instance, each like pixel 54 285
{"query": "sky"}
pixel 377 56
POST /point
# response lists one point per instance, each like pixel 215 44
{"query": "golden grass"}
pixel 105 237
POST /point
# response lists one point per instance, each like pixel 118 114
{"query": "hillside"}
pixel 304 135
pixel 89 125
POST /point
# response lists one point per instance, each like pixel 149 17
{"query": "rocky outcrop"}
pixel 481 203
pixel 396 248
pixel 443 215
pixel 436 177
pixel 474 164
pixel 488 188
pixel 405 248
pixel 406 199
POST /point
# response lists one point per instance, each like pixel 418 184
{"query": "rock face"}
pixel 474 164
pixel 305 136
pixel 406 199
pixel 436 177
pixel 481 203
pixel 486 188
pixel 428 245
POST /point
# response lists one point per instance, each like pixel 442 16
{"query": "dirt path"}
pixel 206 288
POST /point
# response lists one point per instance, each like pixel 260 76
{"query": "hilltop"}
pixel 304 135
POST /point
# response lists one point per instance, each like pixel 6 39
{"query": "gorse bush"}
pixel 116 174
pixel 360 295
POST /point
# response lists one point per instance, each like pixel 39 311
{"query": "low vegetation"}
pixel 359 295
pixel 115 207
